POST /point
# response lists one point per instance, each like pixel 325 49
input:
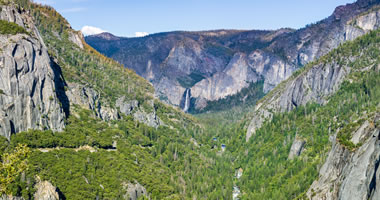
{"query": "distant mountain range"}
pixel 217 64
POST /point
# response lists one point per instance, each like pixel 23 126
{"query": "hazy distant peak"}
pixel 105 36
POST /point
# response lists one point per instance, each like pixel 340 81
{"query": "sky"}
pixel 136 18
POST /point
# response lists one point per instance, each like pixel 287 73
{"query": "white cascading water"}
pixel 187 101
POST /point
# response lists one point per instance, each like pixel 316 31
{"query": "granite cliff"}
pixel 28 79
pixel 351 174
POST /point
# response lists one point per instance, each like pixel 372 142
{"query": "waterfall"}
pixel 187 100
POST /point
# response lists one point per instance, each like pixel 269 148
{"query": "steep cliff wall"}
pixel 316 83
pixel 351 174
pixel 28 80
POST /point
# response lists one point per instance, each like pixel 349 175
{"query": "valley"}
pixel 224 114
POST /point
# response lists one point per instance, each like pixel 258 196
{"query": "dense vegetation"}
pixel 278 178
pixel 94 159
pixel 82 160
pixel 12 164
pixel 10 28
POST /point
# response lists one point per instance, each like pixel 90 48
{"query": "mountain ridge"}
pixel 166 59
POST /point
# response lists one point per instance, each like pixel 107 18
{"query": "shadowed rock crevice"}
pixel 12 126
pixel 375 179
pixel 60 85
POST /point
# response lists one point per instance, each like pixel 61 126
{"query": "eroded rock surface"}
pixel 88 98
pixel 296 149
pixel 349 174
pixel 28 80
pixel 46 191
pixel 135 191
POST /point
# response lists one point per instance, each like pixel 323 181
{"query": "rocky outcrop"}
pixel 216 64
pixel 28 80
pixel 126 107
pixel 237 75
pixel 315 84
pixel 271 67
pixel 351 174
pixel 88 98
pixel 296 148
pixel 169 90
pixel 132 107
pixel 150 119
pixel 46 191
pixel 135 191
pixel 77 38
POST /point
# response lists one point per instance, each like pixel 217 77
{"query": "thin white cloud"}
pixel 91 30
pixel 141 34
pixel 73 10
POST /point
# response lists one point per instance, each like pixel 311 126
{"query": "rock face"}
pixel 28 80
pixel 77 38
pixel 46 191
pixel 313 85
pixel 135 191
pixel 237 75
pixel 215 64
pixel 88 98
pixel 296 148
pixel 151 119
pixel 126 107
pixel 351 175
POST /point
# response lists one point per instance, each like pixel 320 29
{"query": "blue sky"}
pixel 138 17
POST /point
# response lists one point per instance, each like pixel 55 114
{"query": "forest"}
pixel 183 159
